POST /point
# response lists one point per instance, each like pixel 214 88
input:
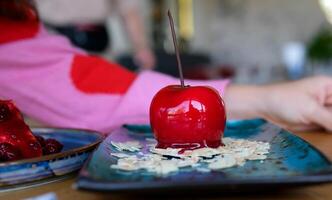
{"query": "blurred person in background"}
pixel 63 86
pixel 84 23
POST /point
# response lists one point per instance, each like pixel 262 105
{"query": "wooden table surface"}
pixel 64 189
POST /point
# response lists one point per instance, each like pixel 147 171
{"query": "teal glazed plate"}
pixel 77 145
pixel 291 162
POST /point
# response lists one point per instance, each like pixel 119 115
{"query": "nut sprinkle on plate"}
pixel 235 152
pixel 131 146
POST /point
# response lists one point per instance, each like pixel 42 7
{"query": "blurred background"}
pixel 251 41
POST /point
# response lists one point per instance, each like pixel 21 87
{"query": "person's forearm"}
pixel 244 102
pixel 134 27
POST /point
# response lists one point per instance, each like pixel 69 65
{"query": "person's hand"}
pixel 145 59
pixel 300 105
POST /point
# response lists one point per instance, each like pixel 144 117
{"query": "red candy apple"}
pixel 16 138
pixel 187 117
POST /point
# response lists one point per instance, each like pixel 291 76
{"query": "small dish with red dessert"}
pixel 39 155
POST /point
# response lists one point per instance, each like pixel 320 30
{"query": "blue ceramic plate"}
pixel 78 144
pixel 291 162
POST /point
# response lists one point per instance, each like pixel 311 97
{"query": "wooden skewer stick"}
pixel 176 47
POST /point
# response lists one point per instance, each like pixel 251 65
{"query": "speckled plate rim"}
pixel 256 184
pixel 88 147
pixel 87 184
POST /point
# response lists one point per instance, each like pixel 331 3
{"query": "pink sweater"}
pixel 37 72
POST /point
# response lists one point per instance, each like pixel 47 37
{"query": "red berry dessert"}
pixel 16 138
pixel 51 146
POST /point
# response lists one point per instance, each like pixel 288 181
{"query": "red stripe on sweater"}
pixel 93 74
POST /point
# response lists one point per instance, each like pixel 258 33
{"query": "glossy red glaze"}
pixel 189 117
pixel 14 131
